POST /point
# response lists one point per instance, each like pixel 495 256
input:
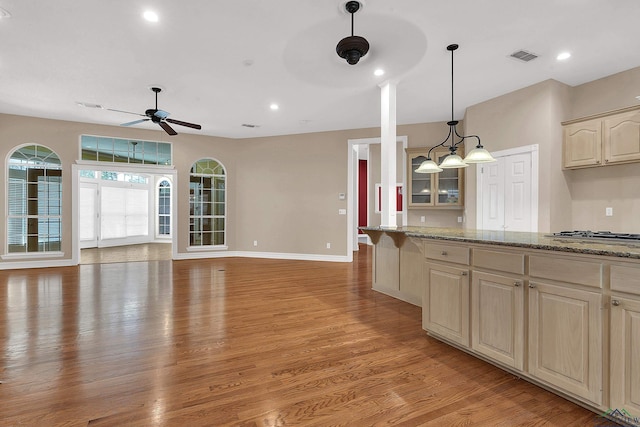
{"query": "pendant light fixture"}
pixel 453 160
pixel 352 48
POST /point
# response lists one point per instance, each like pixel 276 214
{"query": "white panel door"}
pixel 507 194
pixel 517 200
pixel 493 195
pixel 88 200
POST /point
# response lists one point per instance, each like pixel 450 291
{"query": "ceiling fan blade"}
pixel 135 122
pixel 167 128
pixel 122 111
pixel 181 123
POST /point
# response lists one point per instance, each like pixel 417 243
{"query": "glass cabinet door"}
pixel 448 183
pixel 438 190
pixel 420 184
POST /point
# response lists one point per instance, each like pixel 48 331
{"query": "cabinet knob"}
pixel 464 273
pixel 615 302
pixel 443 253
pixel 606 160
pixel 516 284
pixel 597 161
pixel 532 285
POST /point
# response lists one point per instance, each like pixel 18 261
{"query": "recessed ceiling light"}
pixel 379 72
pixel 151 16
pixel 274 106
pixel 562 56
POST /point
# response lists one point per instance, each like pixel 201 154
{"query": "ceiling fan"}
pixel 160 117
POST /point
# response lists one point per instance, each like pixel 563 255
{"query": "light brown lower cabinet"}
pixel 542 315
pixel 565 339
pixel 625 355
pixel 445 304
pixel 497 304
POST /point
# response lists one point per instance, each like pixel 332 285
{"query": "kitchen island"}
pixel 562 313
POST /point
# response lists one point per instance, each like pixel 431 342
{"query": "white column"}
pixel 388 153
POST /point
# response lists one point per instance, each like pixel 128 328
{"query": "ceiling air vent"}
pixel 247 125
pixel 523 56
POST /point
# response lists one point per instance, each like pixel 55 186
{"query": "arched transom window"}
pixel 34 194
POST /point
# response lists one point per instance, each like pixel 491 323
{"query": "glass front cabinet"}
pixel 438 190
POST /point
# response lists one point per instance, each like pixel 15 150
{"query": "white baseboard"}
pixel 268 255
pixel 16 265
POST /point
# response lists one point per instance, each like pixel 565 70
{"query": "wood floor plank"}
pixel 240 342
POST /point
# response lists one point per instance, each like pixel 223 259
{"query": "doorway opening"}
pixel 123 214
pixel 368 149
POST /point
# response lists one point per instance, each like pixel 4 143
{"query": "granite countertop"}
pixel 519 239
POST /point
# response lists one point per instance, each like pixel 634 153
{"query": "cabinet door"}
pixel 625 356
pixel 565 339
pixel 448 183
pixel 421 185
pixel 445 303
pixel 582 144
pixel 622 138
pixel 497 329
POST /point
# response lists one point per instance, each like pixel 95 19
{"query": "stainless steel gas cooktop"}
pixel 598 235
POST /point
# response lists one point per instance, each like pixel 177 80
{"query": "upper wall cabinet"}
pixel 439 190
pixel 606 139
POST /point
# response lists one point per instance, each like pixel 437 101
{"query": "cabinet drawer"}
pixel 625 279
pixel 496 260
pixel 449 253
pixel 588 273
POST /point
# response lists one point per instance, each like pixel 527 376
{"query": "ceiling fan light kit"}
pixel 352 48
pixel 160 117
pixel 453 160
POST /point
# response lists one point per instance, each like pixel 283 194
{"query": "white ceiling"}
pixel 222 63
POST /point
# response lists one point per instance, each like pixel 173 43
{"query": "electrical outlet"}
pixel 255 243
pixel 342 211
pixel 328 245
pixel 608 211
pixel 459 219
pixel 422 218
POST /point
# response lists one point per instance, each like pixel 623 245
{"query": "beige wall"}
pixel 617 186
pixel 525 117
pixel 283 191
pixel 573 199
pixel 610 93
pixel 63 137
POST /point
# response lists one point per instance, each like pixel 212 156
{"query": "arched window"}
pixel 34 200
pixel 207 206
pixel 164 208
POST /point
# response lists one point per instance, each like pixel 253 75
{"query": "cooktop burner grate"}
pixel 587 234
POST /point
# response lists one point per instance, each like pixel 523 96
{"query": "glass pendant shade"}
pixel 479 155
pixel 428 166
pixel 453 161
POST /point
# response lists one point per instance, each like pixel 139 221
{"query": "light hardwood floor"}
pixel 127 253
pixel 240 342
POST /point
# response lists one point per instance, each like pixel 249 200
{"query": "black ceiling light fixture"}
pixel 453 160
pixel 352 48
pixel 160 117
